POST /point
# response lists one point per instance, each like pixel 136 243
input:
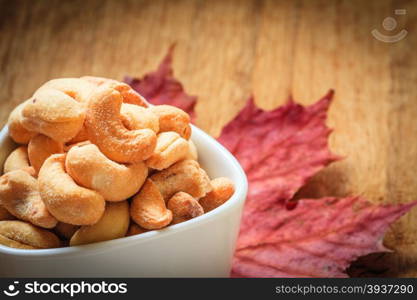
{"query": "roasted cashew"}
pixel 184 207
pixel 16 130
pixel 53 113
pixel 17 160
pixel 170 148
pixel 92 169
pixel 106 130
pixel 76 88
pixel 20 196
pixel 148 208
pixel 113 225
pixel 137 117
pixel 133 117
pixel 40 148
pixel 64 199
pixel 184 176
pixel 223 189
pixel 129 95
pixel 22 235
pixel 172 118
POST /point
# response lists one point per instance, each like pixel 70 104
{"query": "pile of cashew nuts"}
pixel 96 162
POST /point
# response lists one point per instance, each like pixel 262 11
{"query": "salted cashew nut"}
pixel 76 88
pixel 92 169
pixel 53 113
pixel 223 189
pixel 172 118
pixel 19 194
pixel 135 229
pixel 170 148
pixel 137 117
pixel 65 200
pixel 17 160
pixel 129 95
pixel 40 148
pixel 148 208
pixel 22 235
pixel 106 130
pixel 130 98
pixel 65 100
pixel 16 130
pixel 184 207
pixel 184 176
pixel 133 117
pixel 64 230
pixel 113 225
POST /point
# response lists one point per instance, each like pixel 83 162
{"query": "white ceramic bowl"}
pixel 201 247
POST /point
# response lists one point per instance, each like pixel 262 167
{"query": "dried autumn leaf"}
pixel 160 87
pixel 279 151
pixel 319 238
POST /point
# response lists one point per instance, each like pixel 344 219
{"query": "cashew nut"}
pixel 53 113
pixel 16 130
pixel 184 176
pixel 17 160
pixel 92 169
pixel 40 148
pixel 172 118
pixel 223 189
pixel 184 207
pixel 64 199
pixel 106 130
pixel 148 208
pixel 133 117
pixel 113 225
pixel 137 117
pixel 170 148
pixel 128 94
pixel 20 196
pixel 22 235
pixel 76 88
pixel 128 111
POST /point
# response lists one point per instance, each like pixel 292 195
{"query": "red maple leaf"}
pixel 279 151
pixel 320 238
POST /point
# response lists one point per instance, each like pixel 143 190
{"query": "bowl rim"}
pixel 241 188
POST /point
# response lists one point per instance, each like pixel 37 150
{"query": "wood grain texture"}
pixel 228 50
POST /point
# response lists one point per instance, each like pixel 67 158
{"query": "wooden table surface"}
pixel 227 50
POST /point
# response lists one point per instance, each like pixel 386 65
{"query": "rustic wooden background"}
pixel 227 50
